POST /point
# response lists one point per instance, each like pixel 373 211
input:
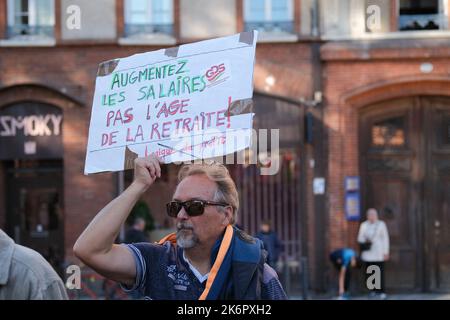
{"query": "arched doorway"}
pixel 31 153
pixel 405 169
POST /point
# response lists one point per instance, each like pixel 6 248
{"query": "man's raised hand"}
pixel 146 170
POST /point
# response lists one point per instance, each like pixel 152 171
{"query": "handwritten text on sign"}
pixel 180 103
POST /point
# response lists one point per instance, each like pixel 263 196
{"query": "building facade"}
pixel 358 89
pixel 387 121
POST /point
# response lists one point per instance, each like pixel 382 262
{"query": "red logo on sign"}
pixel 215 72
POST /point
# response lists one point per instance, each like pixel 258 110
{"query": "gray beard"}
pixel 186 239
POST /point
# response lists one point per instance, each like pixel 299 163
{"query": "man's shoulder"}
pixel 30 267
pixel 244 236
pixel 28 259
pixel 382 223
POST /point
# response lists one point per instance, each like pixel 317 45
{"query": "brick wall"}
pixel 355 77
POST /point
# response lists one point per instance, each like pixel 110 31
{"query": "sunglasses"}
pixel 192 207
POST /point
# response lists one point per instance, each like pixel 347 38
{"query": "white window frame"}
pixel 268 9
pixel 148 12
pixel 272 36
pixel 146 39
pixel 12 13
pixel 28 40
pixel 172 18
pixel 32 12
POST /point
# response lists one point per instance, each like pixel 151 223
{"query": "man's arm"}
pixel 95 246
pixel 361 237
pixel 341 280
pixel 385 242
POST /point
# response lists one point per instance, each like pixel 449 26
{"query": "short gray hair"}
pixel 226 188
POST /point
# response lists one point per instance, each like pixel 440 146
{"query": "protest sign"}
pixel 183 103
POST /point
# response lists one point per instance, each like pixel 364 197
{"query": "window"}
pixel 422 15
pixel 30 18
pixel 269 15
pixel 389 133
pixel 146 17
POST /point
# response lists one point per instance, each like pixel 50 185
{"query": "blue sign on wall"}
pixel 352 198
pixel 351 184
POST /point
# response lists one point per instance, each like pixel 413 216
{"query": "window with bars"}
pixel 269 15
pixel 30 18
pixel 422 15
pixel 147 17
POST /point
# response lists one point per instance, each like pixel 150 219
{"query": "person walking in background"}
pixel 26 275
pixel 344 259
pixel 373 238
pixel 271 243
pixel 136 233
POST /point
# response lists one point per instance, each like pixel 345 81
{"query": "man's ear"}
pixel 228 216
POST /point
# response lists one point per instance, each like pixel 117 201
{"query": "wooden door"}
pixel 437 190
pixel 405 169
pixel 35 207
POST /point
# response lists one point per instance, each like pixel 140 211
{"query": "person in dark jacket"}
pixel 271 242
pixel 137 232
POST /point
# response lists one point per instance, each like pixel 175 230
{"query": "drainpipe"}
pixel 319 140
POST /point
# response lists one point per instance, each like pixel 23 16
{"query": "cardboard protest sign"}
pixel 184 103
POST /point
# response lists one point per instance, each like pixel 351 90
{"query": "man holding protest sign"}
pixel 208 257
pixel 179 104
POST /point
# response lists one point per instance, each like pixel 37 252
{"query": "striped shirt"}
pixel 162 273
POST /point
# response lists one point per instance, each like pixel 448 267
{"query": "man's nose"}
pixel 182 214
